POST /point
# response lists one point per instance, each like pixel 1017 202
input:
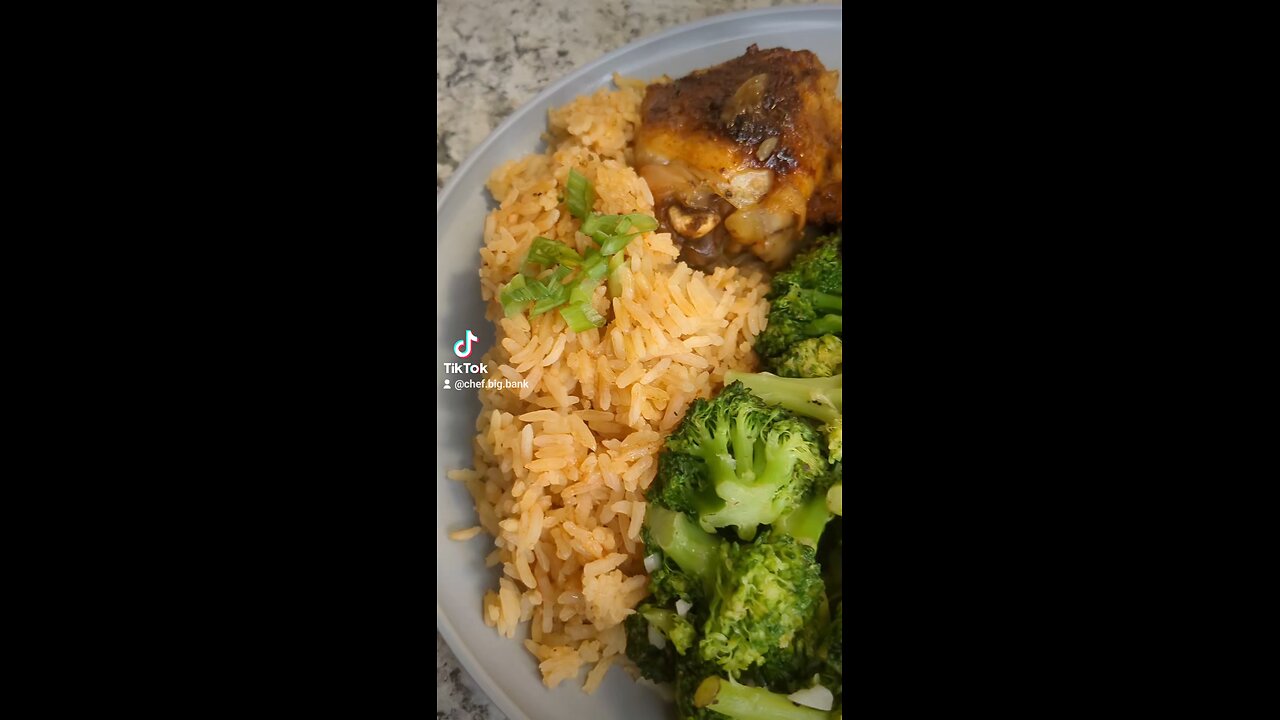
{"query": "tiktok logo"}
pixel 457 347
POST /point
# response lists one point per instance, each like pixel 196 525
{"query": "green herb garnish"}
pixel 548 290
pixel 594 265
pixel 515 296
pixel 548 253
pixel 579 195
pixel 581 316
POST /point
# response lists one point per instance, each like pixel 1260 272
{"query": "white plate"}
pixel 502 667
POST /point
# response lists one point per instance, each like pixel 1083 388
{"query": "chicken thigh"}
pixel 741 155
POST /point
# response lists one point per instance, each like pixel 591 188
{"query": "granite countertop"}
pixel 491 58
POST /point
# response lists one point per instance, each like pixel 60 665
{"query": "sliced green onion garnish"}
pixel 560 273
pixel 548 303
pixel 594 265
pixel 583 291
pixel 613 232
pixel 551 293
pixel 548 262
pixel 515 296
pixel 579 195
pixel 517 288
pixel 547 252
pixel 601 227
pixel 616 224
pixel 615 275
pixel 593 226
pixel 636 221
pixel 539 288
pixel 581 316
pixel 615 243
pixel 644 223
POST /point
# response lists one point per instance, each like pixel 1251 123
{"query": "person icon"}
pixel 446 384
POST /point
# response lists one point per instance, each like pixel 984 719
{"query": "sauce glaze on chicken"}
pixel 741 155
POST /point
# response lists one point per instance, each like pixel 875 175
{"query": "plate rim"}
pixel 444 625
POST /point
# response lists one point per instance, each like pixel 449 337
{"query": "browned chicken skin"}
pixel 741 155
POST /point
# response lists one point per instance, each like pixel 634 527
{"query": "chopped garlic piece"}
pixel 656 640
pixel 816 697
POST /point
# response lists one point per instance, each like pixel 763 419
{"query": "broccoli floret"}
pixel 798 315
pixel 689 544
pixel 784 670
pixel 819 268
pixel 694 550
pixel 819 398
pixel 657 664
pixel 668 583
pixel 743 702
pixel 812 358
pixel 765 593
pixel 794 667
pixel 758 605
pixel 683 485
pixel 801 338
pixel 676 629
pixel 756 459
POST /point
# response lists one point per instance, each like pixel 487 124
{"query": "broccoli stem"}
pixel 834 499
pixel 825 325
pixel 742 702
pixel 818 398
pixel 693 549
pixel 807 522
pixel 823 301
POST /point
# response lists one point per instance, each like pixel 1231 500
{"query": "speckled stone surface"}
pixel 492 56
